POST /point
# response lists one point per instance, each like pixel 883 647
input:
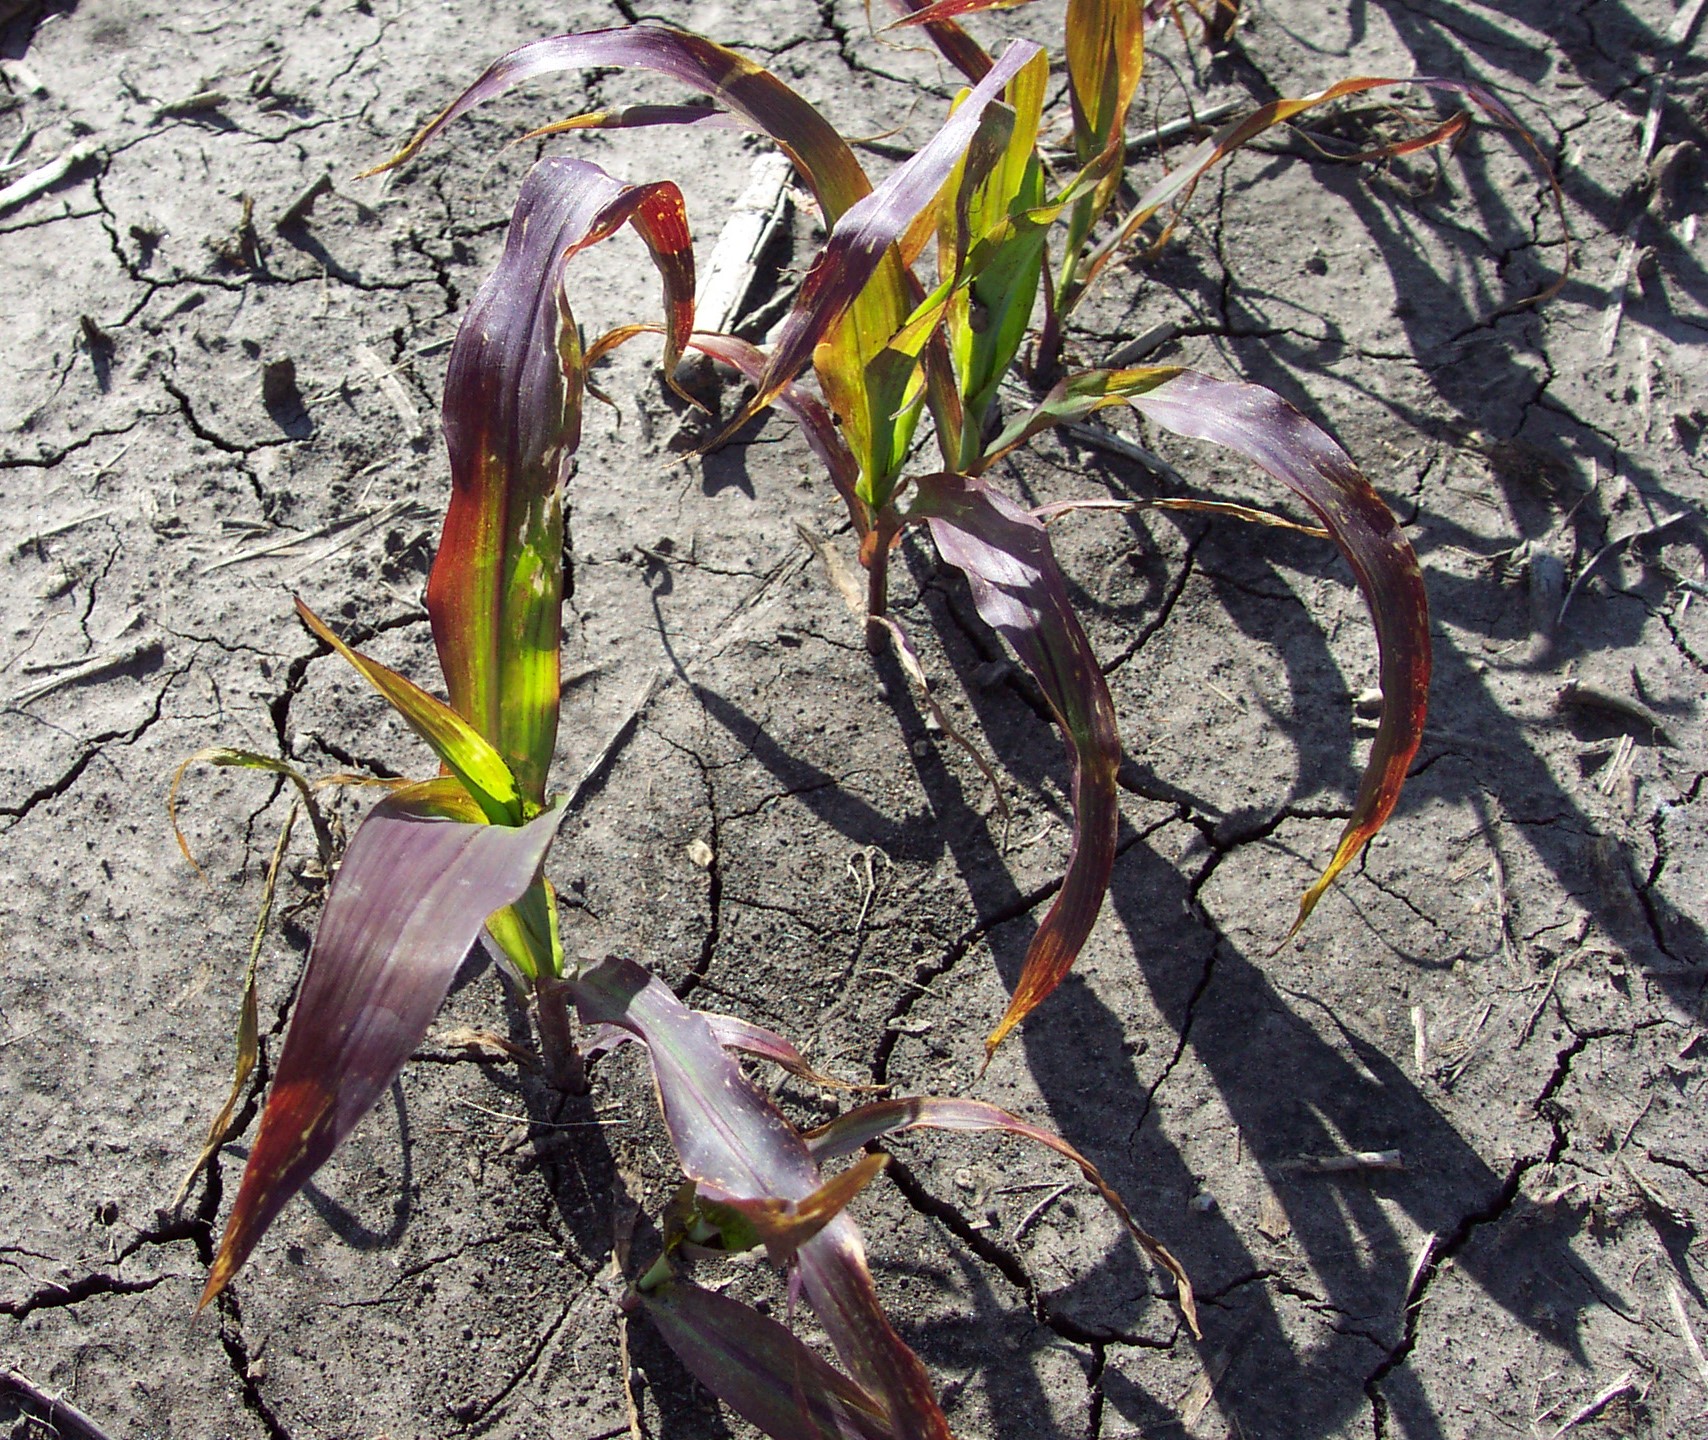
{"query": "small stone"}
pixel 963 1179
pixel 1203 1202
pixel 701 853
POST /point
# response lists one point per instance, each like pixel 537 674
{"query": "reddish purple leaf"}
pixel 513 395
pixel 733 1034
pixel 759 1369
pixel 408 902
pixel 735 1144
pixel 1019 591
pixel 734 81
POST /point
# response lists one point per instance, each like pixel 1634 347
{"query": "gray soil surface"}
pixel 219 396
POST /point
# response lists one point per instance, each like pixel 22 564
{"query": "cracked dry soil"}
pixel 225 357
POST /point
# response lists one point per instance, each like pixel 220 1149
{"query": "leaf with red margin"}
pixel 759 1369
pixel 735 1144
pixel 408 901
pixel 1260 425
pixel 847 1133
pixel 952 42
pixel 1019 591
pixel 512 413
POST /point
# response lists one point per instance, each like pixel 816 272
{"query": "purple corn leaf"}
pixel 735 1144
pixel 733 1034
pixel 848 1133
pixel 734 81
pixel 512 411
pixel 1019 591
pixel 1260 425
pixel 408 901
pixel 759 1369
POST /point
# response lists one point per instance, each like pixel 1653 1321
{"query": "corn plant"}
pixel 440 862
pixel 884 349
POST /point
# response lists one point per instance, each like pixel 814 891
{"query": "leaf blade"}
pixel 860 1126
pixel 1265 429
pixel 732 1140
pixel 407 904
pixel 759 1369
pixel 512 419
pixel 1019 591
pixel 460 747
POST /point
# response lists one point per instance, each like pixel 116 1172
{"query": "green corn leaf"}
pixel 1019 591
pixel 459 746
pixel 848 1133
pixel 734 1144
pixel 992 306
pixel 760 1370
pixel 408 901
pixel 1105 57
pixel 512 412
pixel 1258 424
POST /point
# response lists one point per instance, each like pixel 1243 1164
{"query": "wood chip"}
pixel 1351 1163
pixel 1272 1221
pixel 758 214
pixel 1198 1394
pixel 1691 1343
pixel 45 177
pixel 1625 1384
